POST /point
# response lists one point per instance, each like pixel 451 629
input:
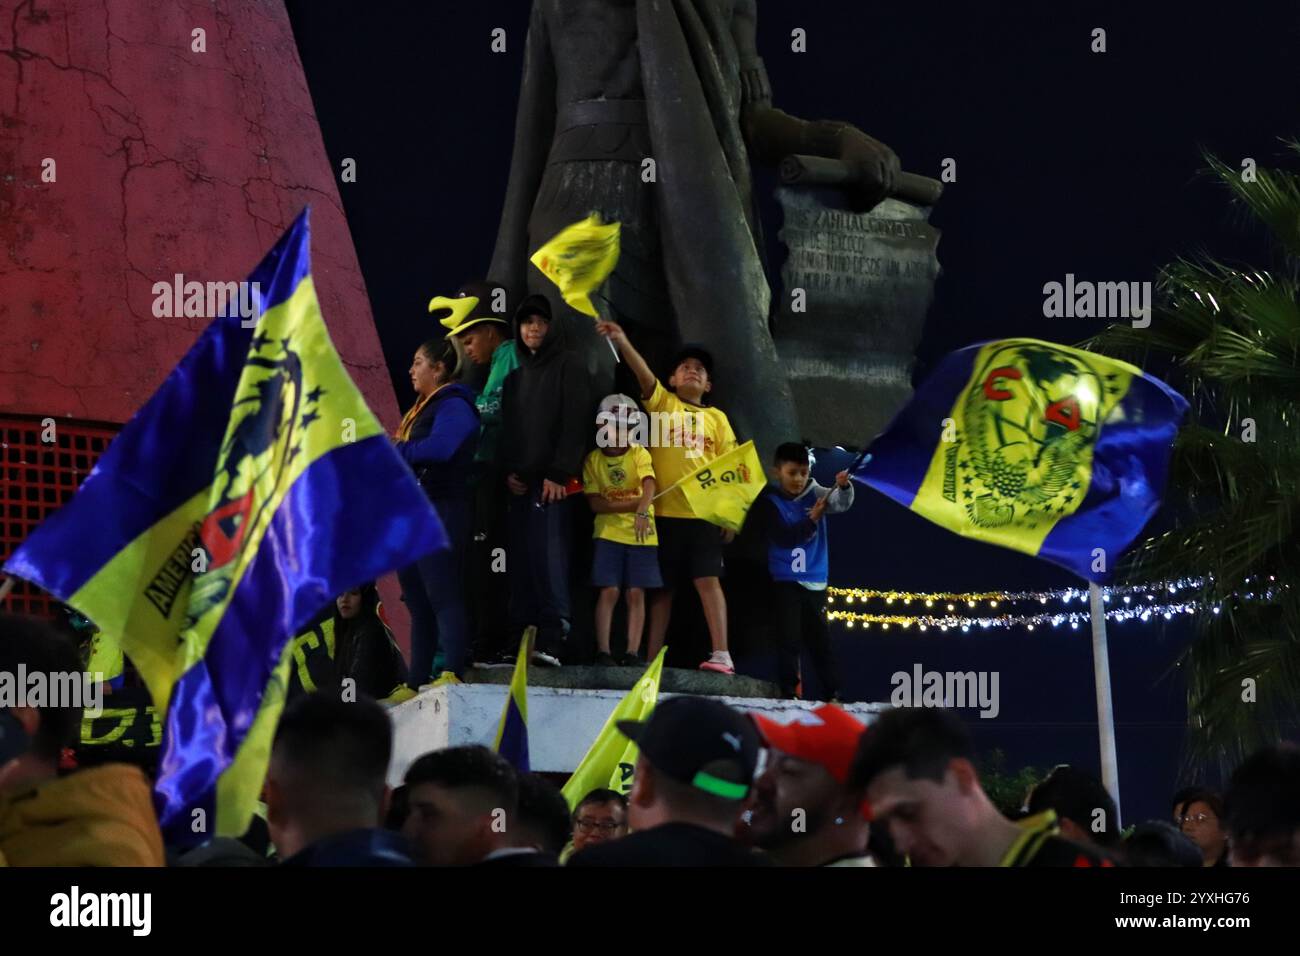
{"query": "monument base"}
pixel 857 287
pixel 566 709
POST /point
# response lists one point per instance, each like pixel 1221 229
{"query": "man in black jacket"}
pixel 546 414
pixel 697 762
pixel 325 788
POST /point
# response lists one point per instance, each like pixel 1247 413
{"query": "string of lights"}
pixel 953 599
pixel 964 623
pixel 1133 603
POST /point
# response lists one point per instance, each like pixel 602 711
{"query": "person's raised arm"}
pixel 644 377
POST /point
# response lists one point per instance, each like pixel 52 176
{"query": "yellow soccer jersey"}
pixel 683 439
pixel 618 478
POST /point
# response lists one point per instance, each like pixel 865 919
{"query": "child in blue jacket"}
pixel 791 511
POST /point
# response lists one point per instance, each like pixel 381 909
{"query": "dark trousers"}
pixel 434 594
pixel 538 565
pixel 485 573
pixel 800 618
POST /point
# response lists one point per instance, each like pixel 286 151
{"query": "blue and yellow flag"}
pixel 251 489
pixel 611 759
pixel 1042 448
pixel 512 731
pixel 723 491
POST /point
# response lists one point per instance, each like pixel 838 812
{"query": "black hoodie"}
pixel 545 405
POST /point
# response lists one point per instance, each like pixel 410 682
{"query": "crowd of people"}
pixel 502 468
pixel 712 786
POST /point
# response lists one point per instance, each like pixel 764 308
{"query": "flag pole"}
pixel 1105 708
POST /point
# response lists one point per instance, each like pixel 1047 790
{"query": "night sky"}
pixel 1067 161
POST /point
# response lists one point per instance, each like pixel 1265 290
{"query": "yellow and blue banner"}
pixel 1042 448
pixel 611 758
pixel 723 491
pixel 250 490
pixel 512 730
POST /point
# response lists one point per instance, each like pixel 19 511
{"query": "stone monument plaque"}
pixel 855 291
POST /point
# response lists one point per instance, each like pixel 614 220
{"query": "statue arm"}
pixel 534 129
pixel 773 134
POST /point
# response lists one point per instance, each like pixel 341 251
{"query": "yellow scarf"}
pixel 408 421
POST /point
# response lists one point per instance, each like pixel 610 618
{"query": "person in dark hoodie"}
pixel 545 411
pixel 364 649
pixel 437 439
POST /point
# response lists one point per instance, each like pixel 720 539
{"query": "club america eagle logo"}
pixel 269 420
pixel 1028 425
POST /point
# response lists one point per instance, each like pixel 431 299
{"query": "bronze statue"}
pixel 611 84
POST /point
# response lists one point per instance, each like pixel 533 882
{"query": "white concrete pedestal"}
pixel 562 721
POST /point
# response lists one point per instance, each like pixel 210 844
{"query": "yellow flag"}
pixel 722 491
pixel 612 757
pixel 578 258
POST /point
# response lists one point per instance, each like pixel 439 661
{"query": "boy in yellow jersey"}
pixel 619 481
pixel 685 435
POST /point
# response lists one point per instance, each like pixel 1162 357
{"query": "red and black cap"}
pixel 700 742
pixel 827 736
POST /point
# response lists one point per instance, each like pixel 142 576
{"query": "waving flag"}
pixel 609 762
pixel 578 259
pixel 723 491
pixel 1042 448
pixel 512 732
pixel 251 489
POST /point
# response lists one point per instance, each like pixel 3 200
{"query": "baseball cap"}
pixel 609 410
pixel 611 402
pixel 696 352
pixel 826 736
pixel 700 742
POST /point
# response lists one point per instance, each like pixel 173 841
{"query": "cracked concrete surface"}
pixel 167 161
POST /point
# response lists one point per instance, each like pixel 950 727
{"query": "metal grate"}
pixel 42 463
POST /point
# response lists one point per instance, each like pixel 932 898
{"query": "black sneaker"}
pixel 499 660
pixel 604 659
pixel 630 660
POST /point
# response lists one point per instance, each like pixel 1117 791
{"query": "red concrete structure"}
pixel 166 160
pixel 139 140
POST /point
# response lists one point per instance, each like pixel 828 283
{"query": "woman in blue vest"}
pixel 437 439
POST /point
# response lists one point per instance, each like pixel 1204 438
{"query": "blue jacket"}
pixel 787 527
pixel 443 439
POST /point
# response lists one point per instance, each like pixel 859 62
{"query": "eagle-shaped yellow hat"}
pixel 464 307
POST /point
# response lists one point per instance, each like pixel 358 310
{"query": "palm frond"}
pixel 1232 336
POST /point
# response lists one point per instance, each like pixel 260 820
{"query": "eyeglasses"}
pixel 1196 818
pixel 588 826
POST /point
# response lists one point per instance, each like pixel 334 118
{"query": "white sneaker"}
pixel 545 659
pixel 719 662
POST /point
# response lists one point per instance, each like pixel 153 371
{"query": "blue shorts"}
pixel 617 565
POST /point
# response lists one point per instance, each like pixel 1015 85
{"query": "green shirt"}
pixel 504 361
